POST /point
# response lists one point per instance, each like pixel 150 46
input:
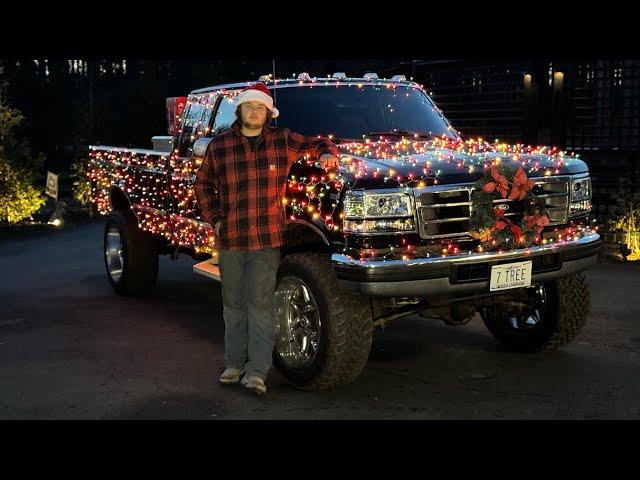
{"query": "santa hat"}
pixel 259 93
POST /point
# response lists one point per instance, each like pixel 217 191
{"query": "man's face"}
pixel 254 114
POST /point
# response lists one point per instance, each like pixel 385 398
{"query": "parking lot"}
pixel 71 348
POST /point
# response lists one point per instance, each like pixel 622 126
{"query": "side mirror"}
pixel 175 109
pixel 199 149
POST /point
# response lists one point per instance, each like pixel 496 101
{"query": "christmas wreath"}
pixel 489 220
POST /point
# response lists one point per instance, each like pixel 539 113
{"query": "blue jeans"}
pixel 248 291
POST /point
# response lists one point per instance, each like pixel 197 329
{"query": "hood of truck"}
pixel 444 166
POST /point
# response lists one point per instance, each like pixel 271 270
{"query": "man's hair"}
pixel 239 115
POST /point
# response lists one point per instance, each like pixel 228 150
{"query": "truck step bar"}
pixel 208 268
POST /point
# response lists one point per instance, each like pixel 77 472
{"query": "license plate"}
pixel 510 275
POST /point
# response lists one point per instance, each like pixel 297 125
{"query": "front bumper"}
pixel 463 274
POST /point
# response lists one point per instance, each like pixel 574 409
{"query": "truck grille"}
pixel 444 211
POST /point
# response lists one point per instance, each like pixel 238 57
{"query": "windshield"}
pixel 351 111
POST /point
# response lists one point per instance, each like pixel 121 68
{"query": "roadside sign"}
pixel 52 185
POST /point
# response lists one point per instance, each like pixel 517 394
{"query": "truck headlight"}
pixel 377 212
pixel 580 193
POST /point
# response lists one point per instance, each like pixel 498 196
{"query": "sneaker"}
pixel 230 376
pixel 255 384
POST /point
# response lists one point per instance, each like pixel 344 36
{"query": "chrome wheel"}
pixel 113 253
pixel 297 323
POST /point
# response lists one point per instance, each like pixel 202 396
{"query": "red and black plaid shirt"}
pixel 244 187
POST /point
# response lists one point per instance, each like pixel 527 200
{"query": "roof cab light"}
pixel 398 78
pixel 304 76
pixel 339 76
pixel 370 76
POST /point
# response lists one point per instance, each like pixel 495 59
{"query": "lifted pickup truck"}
pixel 391 233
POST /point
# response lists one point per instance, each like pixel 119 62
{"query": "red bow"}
pixel 521 185
pixel 501 183
pixel 537 221
pixel 500 225
pixel 517 232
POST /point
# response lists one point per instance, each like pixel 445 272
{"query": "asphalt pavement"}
pixel 71 348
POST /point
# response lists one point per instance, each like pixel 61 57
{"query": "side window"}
pixel 225 115
pixel 208 107
pixel 191 122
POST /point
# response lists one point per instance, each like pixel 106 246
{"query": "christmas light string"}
pixel 166 204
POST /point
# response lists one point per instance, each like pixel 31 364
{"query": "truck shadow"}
pixel 413 336
pixel 192 300
pixel 197 305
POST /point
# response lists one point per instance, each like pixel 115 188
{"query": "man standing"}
pixel 239 188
